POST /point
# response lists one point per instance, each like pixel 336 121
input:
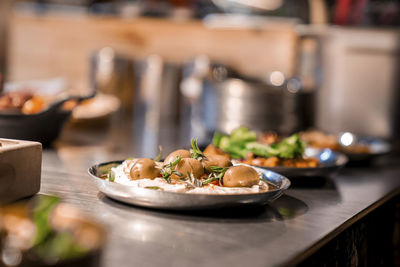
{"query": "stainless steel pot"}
pixel 235 102
pixel 148 89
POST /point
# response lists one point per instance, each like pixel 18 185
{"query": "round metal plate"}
pixel 330 163
pixel 185 201
pixel 376 146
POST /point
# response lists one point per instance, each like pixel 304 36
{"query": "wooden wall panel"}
pixel 48 45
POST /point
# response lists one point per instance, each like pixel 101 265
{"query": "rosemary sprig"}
pixel 168 169
pixel 195 152
pixel 211 179
pixel 218 169
pixel 217 175
pixel 159 155
pixel 192 181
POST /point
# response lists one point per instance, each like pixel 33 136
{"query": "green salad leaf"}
pixel 242 141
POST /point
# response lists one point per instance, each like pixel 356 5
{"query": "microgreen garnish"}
pixel 168 169
pixel 218 169
pixel 152 187
pixel 195 152
pixel 192 181
pixel 159 155
pixel 211 179
pixel 104 169
pixel 217 175
pixel 111 176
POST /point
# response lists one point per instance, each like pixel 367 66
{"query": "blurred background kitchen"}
pixel 166 71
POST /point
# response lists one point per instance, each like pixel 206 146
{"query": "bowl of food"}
pixel 287 156
pixel 29 116
pixel 356 147
pixel 187 180
pixel 44 232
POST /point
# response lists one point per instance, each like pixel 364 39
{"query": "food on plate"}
pixel 320 140
pixel 24 101
pixel 243 146
pixel 240 176
pixel 45 232
pixel 217 161
pixel 144 168
pixel 33 105
pixel 356 149
pixel 213 150
pixel 27 102
pixel 187 167
pixel 269 138
pixel 188 171
pixel 183 153
pixel 96 109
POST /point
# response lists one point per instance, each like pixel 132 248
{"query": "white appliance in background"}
pixel 360 91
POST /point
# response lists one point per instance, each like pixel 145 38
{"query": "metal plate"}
pixel 330 163
pixel 185 201
pixel 376 146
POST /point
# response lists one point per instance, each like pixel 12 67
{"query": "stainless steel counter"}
pixel 285 232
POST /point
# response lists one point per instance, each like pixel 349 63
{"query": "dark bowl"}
pixel 43 127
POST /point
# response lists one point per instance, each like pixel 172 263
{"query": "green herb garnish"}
pixel 159 155
pixel 169 169
pixel 195 152
pixel 193 181
pixel 152 187
pixel 111 176
pixel 104 169
pixel 217 175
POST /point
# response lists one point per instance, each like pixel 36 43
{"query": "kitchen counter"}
pixel 310 215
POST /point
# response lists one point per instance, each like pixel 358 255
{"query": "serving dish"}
pixel 157 199
pixel 45 124
pixel 98 108
pixel 356 147
pixel 330 162
pixel 375 146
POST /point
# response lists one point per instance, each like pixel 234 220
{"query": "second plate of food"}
pixel 329 163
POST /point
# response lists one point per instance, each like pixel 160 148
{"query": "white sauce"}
pixel 122 176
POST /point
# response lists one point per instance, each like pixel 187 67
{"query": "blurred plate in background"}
pixel 99 107
pixel 330 163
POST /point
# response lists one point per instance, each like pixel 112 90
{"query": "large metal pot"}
pixel 260 106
